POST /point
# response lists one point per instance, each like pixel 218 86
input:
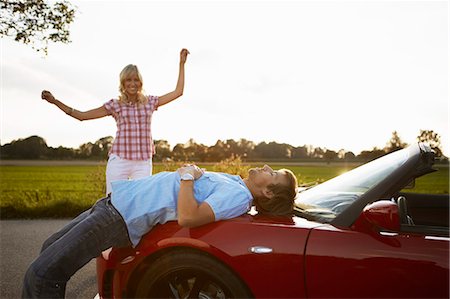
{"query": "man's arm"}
pixel 190 213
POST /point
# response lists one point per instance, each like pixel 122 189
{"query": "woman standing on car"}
pixel 133 148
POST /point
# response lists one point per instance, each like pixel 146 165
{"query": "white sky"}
pixel 334 74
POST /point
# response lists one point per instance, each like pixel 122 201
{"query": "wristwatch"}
pixel 187 177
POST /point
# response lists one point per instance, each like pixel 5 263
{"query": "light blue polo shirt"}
pixel 145 202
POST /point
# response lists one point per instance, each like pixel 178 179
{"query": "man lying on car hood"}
pixel 190 195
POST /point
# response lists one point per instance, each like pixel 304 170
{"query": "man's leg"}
pixel 53 238
pixel 48 274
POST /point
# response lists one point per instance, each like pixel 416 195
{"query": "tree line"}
pixel 35 147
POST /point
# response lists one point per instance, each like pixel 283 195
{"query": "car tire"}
pixel 190 274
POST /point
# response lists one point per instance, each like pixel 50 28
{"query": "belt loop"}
pixel 108 198
pixel 110 206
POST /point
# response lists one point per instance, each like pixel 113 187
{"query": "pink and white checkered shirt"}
pixel 134 136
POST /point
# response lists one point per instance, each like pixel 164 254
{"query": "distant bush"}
pixel 232 165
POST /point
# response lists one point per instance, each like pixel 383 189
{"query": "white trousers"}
pixel 122 169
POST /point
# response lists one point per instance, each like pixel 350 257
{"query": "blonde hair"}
pixel 127 72
pixel 282 201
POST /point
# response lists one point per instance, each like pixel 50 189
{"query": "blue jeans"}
pixel 68 250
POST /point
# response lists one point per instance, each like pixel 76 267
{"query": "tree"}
pixel 300 152
pixel 395 143
pixel 330 155
pixel 85 150
pixel 245 148
pixel 191 151
pixel 218 151
pixel 61 153
pixel 33 147
pixel 371 155
pixel 36 22
pixel 178 153
pixel 103 146
pixel 318 152
pixel 349 156
pixel 433 139
pixel 271 151
pixel 162 148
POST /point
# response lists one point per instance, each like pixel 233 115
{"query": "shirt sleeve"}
pixel 154 102
pixel 110 106
pixel 226 205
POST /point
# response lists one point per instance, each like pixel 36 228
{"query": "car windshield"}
pixel 326 201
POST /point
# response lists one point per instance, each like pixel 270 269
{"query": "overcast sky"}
pixel 334 74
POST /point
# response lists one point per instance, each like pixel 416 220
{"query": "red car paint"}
pixel 336 263
pixel 287 238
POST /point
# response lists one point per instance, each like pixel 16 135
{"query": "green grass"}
pixel 436 182
pixel 65 191
pixel 49 191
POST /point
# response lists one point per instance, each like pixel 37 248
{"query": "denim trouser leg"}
pixel 82 241
pixel 53 238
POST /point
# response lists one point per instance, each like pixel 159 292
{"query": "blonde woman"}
pixel 133 147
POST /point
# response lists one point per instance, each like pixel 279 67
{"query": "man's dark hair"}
pixel 282 201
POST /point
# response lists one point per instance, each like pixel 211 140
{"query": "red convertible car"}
pixel 354 236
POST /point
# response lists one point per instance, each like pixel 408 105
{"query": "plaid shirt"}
pixel 134 137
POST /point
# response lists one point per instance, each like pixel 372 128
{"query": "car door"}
pixel 344 263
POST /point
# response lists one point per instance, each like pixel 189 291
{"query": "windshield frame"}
pixel 341 186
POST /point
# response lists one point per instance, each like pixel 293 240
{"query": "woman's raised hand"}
pixel 47 95
pixel 183 55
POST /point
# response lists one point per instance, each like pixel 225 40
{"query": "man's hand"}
pixel 192 169
pixel 190 212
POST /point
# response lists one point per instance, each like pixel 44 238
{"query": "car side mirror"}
pixel 381 214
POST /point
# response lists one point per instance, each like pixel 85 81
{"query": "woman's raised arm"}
pixel 169 97
pixel 80 115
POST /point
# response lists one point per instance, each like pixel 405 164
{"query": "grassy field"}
pixel 66 190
